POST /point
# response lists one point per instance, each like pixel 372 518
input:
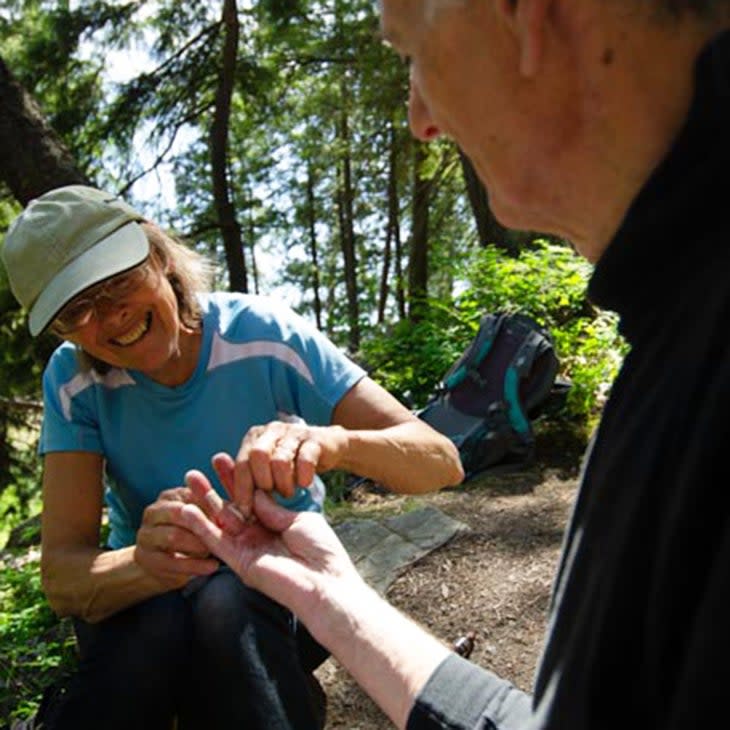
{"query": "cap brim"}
pixel 124 249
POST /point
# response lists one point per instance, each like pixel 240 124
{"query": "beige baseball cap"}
pixel 65 241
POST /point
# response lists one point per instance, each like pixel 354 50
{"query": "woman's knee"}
pixel 225 610
pixel 153 635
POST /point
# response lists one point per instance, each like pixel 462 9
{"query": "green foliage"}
pixel 20 493
pixel 35 647
pixel 546 281
pixel 41 44
pixel 409 359
pixel 21 362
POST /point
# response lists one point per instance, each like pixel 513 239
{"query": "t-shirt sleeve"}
pixel 460 695
pixel 69 424
pixel 312 381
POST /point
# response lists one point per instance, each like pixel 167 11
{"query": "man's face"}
pixel 406 27
pixel 466 83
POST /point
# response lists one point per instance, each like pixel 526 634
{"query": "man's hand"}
pixel 279 456
pixel 290 556
pixel 296 559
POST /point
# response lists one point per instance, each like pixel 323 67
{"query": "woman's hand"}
pixel 279 456
pixel 372 435
pixel 166 549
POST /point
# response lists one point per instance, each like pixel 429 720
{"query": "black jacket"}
pixel 639 628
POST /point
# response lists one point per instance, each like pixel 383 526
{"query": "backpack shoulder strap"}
pixel 475 353
pixel 532 371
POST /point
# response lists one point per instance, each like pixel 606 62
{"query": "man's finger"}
pixel 224 467
pixel 272 515
pixel 200 486
pixel 225 514
pixel 205 529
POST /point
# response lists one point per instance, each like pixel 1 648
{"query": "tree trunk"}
pixel 400 291
pixel 225 210
pixel 392 233
pixel 418 259
pixel 251 234
pixel 489 229
pixel 313 254
pixel 33 158
pixel 347 230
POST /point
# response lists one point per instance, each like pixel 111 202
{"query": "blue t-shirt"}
pixel 259 362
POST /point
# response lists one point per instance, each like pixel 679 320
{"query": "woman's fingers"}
pixel 279 456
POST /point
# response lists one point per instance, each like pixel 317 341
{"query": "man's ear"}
pixel 529 20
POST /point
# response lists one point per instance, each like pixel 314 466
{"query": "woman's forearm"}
pixel 389 444
pixel 93 584
pixel 409 457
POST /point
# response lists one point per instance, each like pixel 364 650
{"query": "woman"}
pixel 156 376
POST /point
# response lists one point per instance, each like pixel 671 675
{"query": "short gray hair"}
pixel 434 6
pixel 701 8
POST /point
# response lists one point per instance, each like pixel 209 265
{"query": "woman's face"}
pixel 131 321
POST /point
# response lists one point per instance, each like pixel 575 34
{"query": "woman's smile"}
pixel 135 334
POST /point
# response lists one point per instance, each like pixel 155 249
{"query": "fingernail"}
pixel 237 511
pixel 246 516
pixel 213 499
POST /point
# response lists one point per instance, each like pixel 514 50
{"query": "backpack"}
pixel 487 399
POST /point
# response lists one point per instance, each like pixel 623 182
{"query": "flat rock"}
pixel 381 549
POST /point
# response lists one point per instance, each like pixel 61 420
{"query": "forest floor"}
pixel 493 579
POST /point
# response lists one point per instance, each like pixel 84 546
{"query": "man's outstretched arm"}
pixel 297 559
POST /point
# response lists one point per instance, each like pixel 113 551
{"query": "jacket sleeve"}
pixel 460 695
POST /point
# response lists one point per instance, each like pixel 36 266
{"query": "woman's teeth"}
pixel 134 334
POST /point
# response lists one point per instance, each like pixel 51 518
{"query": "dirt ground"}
pixel 494 579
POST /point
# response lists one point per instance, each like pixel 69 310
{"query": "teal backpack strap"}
pixel 535 343
pixel 474 355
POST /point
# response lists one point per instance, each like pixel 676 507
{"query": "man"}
pixel 605 122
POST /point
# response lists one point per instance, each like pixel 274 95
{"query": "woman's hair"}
pixel 188 273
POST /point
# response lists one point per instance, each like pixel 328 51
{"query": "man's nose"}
pixel 419 116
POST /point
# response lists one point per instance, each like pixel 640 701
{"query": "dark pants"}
pixel 215 655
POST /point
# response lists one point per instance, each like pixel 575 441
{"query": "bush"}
pixel 35 646
pixel 547 281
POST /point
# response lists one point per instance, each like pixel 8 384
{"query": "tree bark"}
pixel 418 259
pixel 313 253
pixel 347 229
pixel 225 210
pixel 33 158
pixel 392 233
pixel 251 235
